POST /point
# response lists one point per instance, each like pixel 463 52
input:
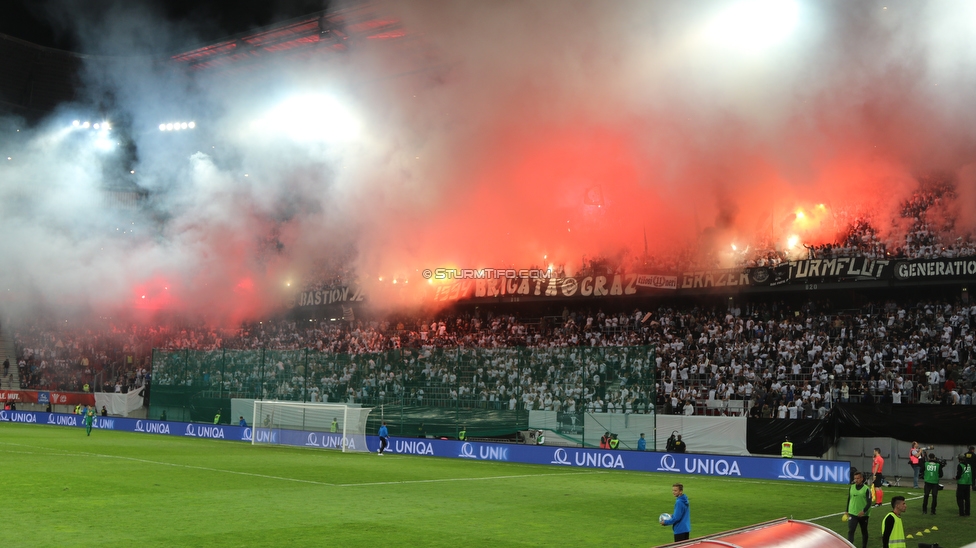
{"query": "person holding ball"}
pixel 680 520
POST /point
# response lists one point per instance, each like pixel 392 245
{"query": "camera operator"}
pixel 671 442
pixel 933 471
pixel 964 480
pixel 916 456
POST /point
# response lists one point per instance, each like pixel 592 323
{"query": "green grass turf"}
pixel 62 488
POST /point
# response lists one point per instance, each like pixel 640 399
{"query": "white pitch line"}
pixel 842 513
pixel 251 474
pixel 466 479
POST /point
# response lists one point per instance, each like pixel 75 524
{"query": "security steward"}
pixel 964 481
pixel 787 449
pixel 892 528
pixel 614 442
pixel 463 434
pixel 679 446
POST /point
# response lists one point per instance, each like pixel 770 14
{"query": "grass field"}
pixel 62 488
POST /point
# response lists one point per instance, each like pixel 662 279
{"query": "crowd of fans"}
pixel 768 359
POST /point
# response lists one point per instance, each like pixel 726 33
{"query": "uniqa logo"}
pixel 831 474
pixel 493 452
pixel 467 451
pixel 18 417
pixel 484 452
pixel 329 441
pixel 560 457
pixel 213 432
pixel 62 420
pixel 414 447
pixel 246 436
pixel 264 435
pixel 712 467
pixel 791 470
pixel 598 459
pixel 189 431
pixel 153 427
pixel 668 464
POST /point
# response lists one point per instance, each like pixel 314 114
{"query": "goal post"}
pixel 310 425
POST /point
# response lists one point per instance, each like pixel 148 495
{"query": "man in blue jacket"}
pixel 680 521
pixel 384 436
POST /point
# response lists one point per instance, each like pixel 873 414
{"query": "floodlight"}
pixel 97 125
pixel 192 125
pixel 169 127
pixel 106 127
pixel 183 125
pixel 753 25
pixel 86 125
pixel 312 117
pixel 76 123
pixel 162 127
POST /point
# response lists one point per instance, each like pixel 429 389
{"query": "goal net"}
pixel 310 425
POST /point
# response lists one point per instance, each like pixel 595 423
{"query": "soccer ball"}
pixel 663 517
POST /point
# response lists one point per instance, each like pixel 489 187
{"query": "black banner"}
pixel 840 269
pixel 331 295
pixel 616 285
pixel 942 424
pixel 810 437
pixel 809 272
pixel 935 269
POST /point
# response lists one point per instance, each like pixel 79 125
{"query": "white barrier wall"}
pixel 718 435
pixel 119 405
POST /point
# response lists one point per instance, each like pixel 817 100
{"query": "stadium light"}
pixel 177 126
pixel 104 144
pixel 310 118
pixel 754 25
pixel 100 128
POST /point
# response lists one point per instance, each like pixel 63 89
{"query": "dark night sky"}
pixel 37 21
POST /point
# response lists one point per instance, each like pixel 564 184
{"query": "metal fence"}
pixel 438 391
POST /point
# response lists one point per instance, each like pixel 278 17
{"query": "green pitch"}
pixel 62 488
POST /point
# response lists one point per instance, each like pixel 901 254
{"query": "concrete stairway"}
pixel 7 352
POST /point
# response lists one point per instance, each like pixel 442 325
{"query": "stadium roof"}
pixel 37 78
pixel 322 33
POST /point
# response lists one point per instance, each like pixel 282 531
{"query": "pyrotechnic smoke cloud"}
pixel 498 134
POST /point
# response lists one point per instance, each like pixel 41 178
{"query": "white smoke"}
pixel 484 134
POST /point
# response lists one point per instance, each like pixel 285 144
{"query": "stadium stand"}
pixel 769 359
